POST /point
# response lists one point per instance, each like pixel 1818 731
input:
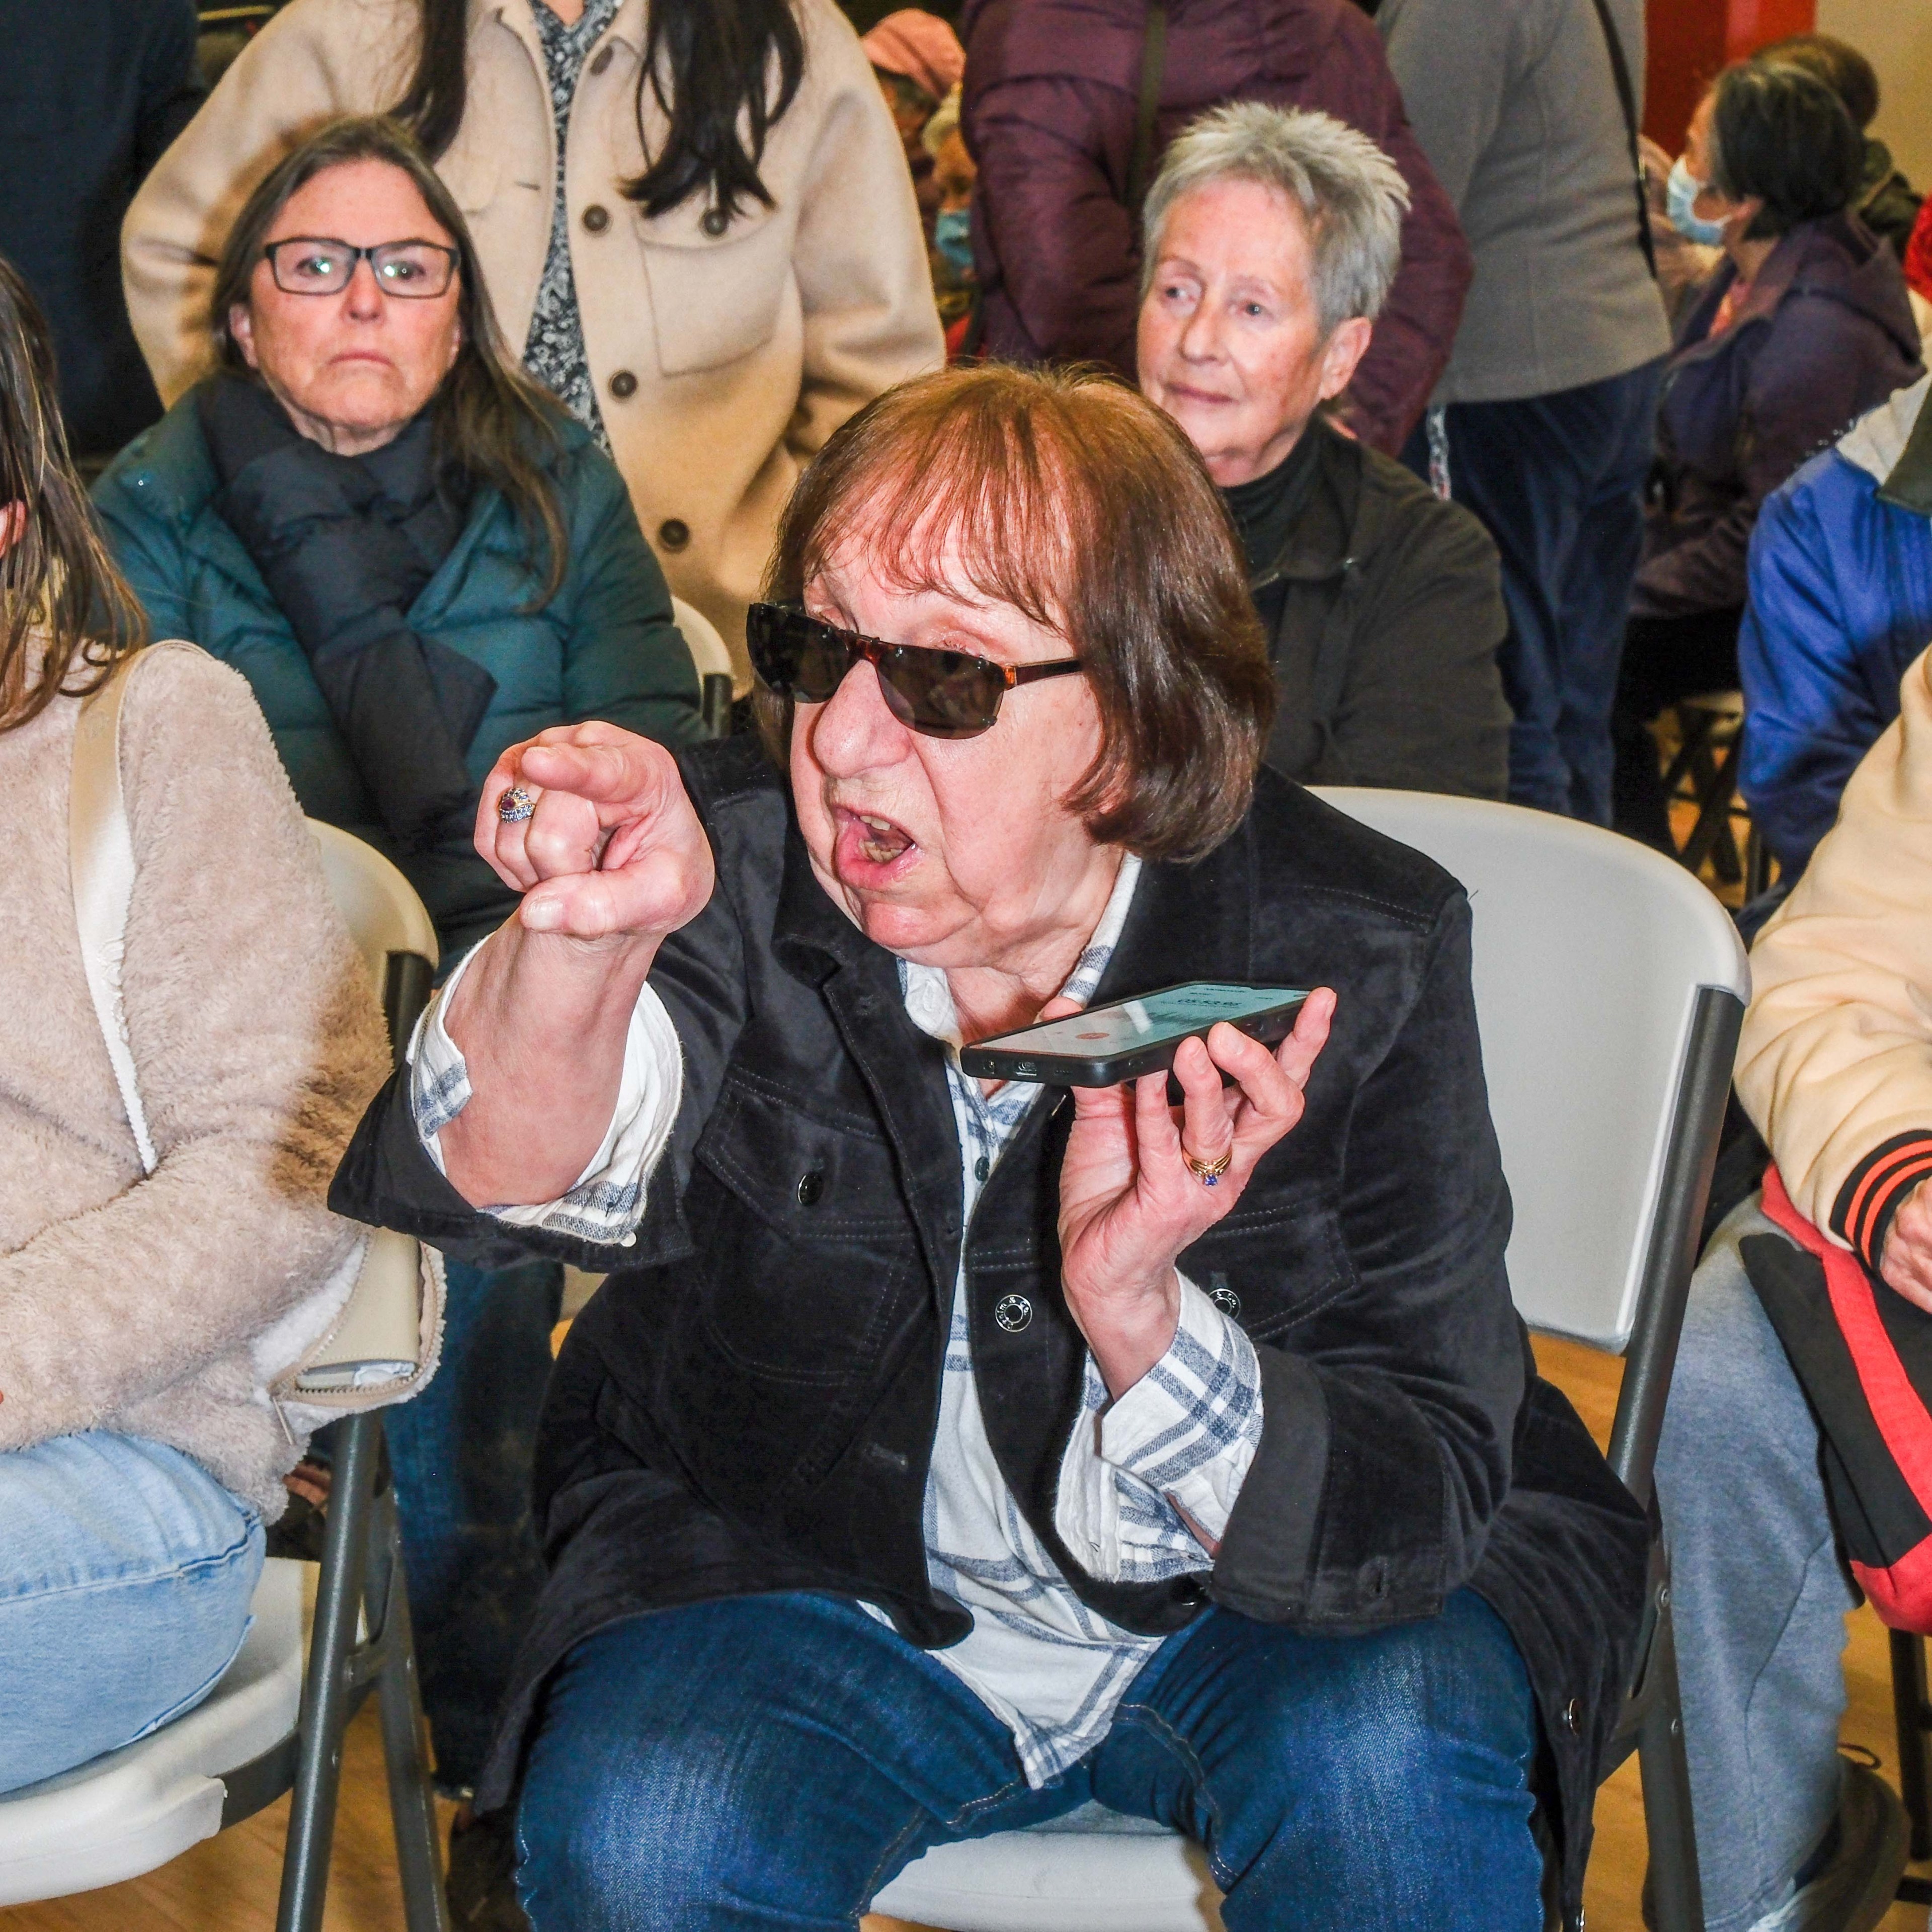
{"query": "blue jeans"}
pixel 1558 481
pixel 461 1451
pixel 771 1762
pixel 126 1573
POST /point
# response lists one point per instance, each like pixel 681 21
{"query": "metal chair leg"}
pixel 411 1797
pixel 1666 1786
pixel 1913 1714
pixel 328 1691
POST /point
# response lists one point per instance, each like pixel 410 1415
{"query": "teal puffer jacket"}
pixel 603 646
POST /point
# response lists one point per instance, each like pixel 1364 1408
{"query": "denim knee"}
pixel 125 1570
pixel 667 1837
pixel 1380 1778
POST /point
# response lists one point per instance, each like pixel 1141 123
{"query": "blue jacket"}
pixel 603 646
pixel 1840 603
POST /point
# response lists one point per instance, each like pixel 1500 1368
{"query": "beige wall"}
pixel 1896 37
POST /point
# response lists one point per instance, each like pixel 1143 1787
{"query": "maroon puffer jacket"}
pixel 1051 91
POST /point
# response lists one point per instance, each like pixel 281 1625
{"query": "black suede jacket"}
pixel 1384 610
pixel 748 1404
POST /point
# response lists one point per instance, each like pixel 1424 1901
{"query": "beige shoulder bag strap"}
pixel 101 857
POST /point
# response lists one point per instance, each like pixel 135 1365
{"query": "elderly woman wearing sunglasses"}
pixel 941 1455
pixel 415 558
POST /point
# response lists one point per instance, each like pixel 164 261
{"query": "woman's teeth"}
pixel 884 841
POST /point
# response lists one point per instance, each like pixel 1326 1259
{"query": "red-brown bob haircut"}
pixel 1075 501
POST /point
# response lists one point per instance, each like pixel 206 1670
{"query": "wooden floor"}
pixel 228 1884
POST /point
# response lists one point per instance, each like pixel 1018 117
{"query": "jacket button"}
pixel 1225 1298
pixel 1573 1716
pixel 1012 1312
pixel 810 1187
pixel 674 535
pixel 602 60
pixel 596 218
pixel 623 385
pixel 715 222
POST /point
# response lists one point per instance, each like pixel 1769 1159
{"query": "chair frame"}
pixel 1652 1722
pixel 362 1579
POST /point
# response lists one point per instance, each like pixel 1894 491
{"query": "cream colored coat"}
pixel 720 362
pixel 165 1306
pixel 1836 1057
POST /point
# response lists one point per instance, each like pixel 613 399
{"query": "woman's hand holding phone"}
pixel 1130 1204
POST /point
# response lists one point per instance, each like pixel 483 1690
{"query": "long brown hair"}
pixel 491 422
pixel 709 63
pixel 58 585
pixel 1074 500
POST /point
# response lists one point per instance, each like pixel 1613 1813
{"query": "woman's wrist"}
pixel 1128 1326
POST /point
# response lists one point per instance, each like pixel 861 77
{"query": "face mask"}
pixel 952 236
pixel 1681 198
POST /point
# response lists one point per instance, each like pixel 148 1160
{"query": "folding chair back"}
pixel 711 657
pixel 1593 955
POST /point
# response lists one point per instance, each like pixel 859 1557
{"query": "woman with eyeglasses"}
pixel 416 558
pixel 943 1454
pixel 692 216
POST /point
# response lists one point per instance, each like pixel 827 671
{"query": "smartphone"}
pixel 1107 1045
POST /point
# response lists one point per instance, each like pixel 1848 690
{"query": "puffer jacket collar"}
pixel 168 470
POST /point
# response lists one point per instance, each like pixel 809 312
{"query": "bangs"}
pixel 961 499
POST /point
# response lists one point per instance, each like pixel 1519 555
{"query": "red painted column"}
pixel 1690 39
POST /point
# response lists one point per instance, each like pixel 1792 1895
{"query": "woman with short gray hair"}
pixel 1272 238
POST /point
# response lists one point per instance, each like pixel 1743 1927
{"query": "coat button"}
pixel 674 535
pixel 602 60
pixel 1573 1716
pixel 715 222
pixel 596 218
pixel 623 385
pixel 1225 1298
pixel 810 1187
pixel 1012 1312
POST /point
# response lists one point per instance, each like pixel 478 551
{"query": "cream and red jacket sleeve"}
pixel 1835 1062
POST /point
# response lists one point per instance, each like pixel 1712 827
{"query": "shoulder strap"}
pixel 1154 65
pixel 101 855
pixel 1627 100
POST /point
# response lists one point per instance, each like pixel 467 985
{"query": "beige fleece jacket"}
pixel 137 1303
pixel 1835 1062
pixel 722 360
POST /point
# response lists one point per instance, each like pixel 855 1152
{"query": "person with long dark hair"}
pixel 693 222
pixel 165 1265
pixel 416 557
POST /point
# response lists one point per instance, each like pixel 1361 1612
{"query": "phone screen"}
pixel 1173 1014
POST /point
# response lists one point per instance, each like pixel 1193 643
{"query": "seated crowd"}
pixel 942 1455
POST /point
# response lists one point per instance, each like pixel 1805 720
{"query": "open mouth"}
pixel 871 844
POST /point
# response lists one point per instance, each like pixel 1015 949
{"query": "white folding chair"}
pixel 1610 988
pixel 717 680
pixel 270 1725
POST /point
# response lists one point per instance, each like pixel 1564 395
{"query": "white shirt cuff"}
pixel 1181 1439
pixel 606 1201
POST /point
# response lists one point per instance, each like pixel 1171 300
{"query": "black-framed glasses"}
pixel 314 265
pixel 940 694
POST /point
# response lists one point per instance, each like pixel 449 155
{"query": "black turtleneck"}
pixel 1265 509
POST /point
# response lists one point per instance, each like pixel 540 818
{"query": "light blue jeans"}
pixel 126 1573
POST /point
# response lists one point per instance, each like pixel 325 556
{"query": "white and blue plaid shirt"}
pixel 1180 1440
